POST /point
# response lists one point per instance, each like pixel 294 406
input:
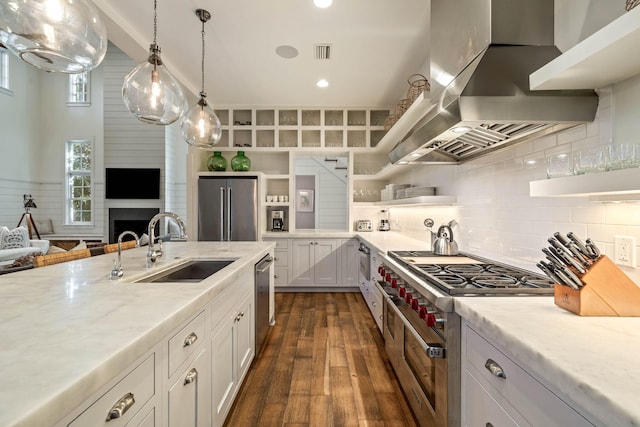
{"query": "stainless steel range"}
pixel 421 329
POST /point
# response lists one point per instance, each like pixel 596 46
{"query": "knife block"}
pixel 607 291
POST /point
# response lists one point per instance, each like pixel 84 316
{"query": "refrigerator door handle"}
pixel 228 214
pixel 222 237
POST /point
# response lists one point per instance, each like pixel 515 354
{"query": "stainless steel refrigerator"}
pixel 227 208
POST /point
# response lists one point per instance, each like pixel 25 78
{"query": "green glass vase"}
pixel 240 163
pixel 217 162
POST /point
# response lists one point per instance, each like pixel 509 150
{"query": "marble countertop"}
pixel 384 241
pixel 66 329
pixel 591 362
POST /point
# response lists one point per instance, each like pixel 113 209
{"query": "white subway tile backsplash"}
pixel 622 213
pixel 594 214
pixel 577 133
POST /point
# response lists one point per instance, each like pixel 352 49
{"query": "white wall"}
pixel 19 140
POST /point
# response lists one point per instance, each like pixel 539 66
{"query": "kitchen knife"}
pixel 565 255
pixel 567 243
pixel 579 243
pixel 564 279
pixel 549 271
pixel 592 249
pixel 562 259
pixel 572 277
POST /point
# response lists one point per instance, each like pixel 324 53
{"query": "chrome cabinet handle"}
pixel 190 339
pixel 191 376
pixel 488 425
pixel 275 276
pixel 239 316
pixel 121 407
pixel 495 369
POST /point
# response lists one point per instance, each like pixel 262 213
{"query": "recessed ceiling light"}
pixel 322 3
pixel 322 83
pixel 286 51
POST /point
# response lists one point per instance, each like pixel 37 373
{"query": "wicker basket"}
pixel 632 3
pixel 417 84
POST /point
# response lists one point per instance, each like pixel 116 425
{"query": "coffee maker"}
pixel 277 220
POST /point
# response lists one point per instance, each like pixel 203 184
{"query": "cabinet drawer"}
pixel 281 258
pixel 138 384
pixel 226 302
pixel 481 409
pixel 185 342
pixel 534 401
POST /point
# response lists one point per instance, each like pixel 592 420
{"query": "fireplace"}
pixel 129 219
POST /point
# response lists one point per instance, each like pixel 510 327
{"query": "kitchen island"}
pixel 67 330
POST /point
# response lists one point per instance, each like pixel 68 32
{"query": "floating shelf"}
pixel 422 200
pixel 623 182
pixel 406 122
pixel 607 56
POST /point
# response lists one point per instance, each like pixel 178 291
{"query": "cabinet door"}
pixel 189 396
pixel 326 262
pixel 245 329
pixel 223 375
pixel 302 262
pixel 349 262
pixel 481 409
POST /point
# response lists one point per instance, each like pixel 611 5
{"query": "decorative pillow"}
pixel 81 245
pixel 14 239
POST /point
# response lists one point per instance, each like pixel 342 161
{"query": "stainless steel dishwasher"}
pixel 262 279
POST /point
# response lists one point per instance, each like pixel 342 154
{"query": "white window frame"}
pixel 5 72
pixel 74 98
pixel 70 174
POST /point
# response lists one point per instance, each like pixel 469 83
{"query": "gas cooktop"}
pixel 468 275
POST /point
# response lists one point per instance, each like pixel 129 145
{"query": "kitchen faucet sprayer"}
pixel 117 271
pixel 152 253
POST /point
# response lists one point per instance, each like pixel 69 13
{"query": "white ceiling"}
pixel 376 45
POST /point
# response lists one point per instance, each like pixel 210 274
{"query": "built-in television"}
pixel 132 183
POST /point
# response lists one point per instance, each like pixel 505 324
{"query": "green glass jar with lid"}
pixel 217 162
pixel 240 163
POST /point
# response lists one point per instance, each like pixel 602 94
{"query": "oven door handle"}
pixel 432 351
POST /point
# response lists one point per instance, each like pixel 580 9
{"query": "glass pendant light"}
pixel 200 125
pixel 67 36
pixel 149 91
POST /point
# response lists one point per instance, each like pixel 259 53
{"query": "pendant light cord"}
pixel 202 67
pixel 155 20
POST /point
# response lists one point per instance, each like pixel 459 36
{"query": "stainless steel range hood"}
pixel 491 47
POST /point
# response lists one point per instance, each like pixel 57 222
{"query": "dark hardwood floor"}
pixel 324 364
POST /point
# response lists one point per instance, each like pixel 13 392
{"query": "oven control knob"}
pixel 408 297
pixel 381 270
pixel 430 320
pixel 422 311
pixel 415 304
pixel 387 277
pixel 402 291
pixel 394 283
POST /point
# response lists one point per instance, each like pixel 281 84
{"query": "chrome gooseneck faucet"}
pixel 152 253
pixel 117 272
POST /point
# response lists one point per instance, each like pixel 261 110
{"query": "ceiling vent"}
pixel 322 51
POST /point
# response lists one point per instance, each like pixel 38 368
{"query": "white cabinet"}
pixel 280 262
pixel 188 394
pixel 188 397
pixel 498 390
pixel 314 262
pixel 349 259
pixel 232 344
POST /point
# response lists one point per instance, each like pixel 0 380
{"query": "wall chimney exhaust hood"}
pixel 491 47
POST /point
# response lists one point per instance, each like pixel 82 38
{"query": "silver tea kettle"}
pixel 444 243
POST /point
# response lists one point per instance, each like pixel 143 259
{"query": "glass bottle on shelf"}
pixel 240 163
pixel 217 162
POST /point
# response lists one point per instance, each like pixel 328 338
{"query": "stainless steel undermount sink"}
pixel 193 271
